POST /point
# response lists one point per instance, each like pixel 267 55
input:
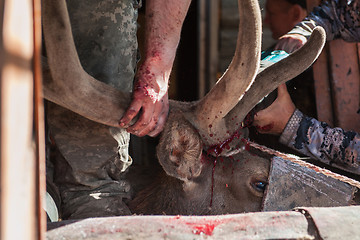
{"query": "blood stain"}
pixel 206 229
pixel 266 128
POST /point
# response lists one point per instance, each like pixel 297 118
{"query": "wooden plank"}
pixel 358 48
pixel 17 157
pixel 291 185
pixel 2 6
pixel 201 47
pixel 336 223
pixel 261 225
pixel 322 86
pixel 323 89
pixel 208 18
pixel 337 84
pixel 345 84
pixel 39 124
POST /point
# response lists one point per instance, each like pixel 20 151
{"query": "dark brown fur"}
pixel 234 189
pixel 187 185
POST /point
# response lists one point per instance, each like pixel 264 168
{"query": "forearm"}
pixel 304 28
pixel 150 102
pixel 332 146
pixel 164 21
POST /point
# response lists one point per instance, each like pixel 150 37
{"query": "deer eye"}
pixel 259 186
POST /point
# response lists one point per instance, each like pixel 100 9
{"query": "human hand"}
pixel 290 42
pixel 150 102
pixel 272 120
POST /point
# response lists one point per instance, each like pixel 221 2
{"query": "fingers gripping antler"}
pixel 68 84
pixel 210 111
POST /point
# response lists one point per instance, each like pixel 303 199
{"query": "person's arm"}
pixel 332 146
pixel 164 21
pixel 273 119
pixel 339 18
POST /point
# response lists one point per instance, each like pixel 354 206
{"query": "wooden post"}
pixel 337 86
pixel 19 198
pixel 208 18
pixel 324 101
pixel 39 125
pixel 324 104
pixel 344 78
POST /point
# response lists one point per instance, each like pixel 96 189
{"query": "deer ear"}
pixel 179 149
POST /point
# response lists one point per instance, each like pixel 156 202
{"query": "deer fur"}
pixel 228 186
pixel 192 129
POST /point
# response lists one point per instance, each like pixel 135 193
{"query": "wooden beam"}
pixel 324 101
pixel 17 155
pixel 39 125
pixel 337 86
pixel 324 105
pixel 208 18
pixel 345 84
pixel 304 223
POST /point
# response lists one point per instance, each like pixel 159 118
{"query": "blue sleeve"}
pixel 316 139
pixel 339 18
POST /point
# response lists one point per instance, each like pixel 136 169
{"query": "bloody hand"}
pixel 150 103
pixel 272 120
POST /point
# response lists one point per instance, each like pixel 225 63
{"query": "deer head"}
pixel 212 124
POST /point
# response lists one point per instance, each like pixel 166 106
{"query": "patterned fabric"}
pixel 339 18
pixel 332 146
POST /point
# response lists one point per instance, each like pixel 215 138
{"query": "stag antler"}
pixel 68 85
pixel 204 123
pixel 231 87
pixel 280 72
pixel 214 121
pixel 219 115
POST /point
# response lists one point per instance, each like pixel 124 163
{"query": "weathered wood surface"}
pixel 345 84
pixel 273 225
pixel 208 44
pixel 336 223
pixel 291 185
pixel 337 83
pixel 18 204
pixel 324 106
pixel 333 223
